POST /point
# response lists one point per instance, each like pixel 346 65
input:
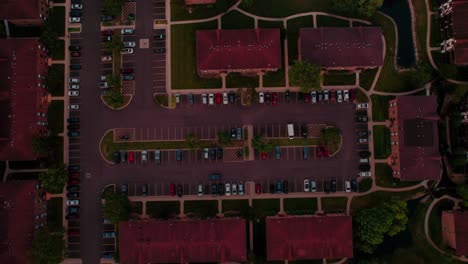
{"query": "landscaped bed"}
pixel 339 78
pixel 267 207
pixel 381 138
pixel 163 210
pixel 235 80
pixel 384 177
pixel 334 204
pixel 136 207
pixel 201 209
pixel 184 57
pixel 282 8
pixel 378 197
pixel 55 78
pixel 58 19
pixel 300 206
pixel 54 212
pixel 55 116
pixel 366 78
pixel 235 207
pixel 380 107
pixel 328 21
pixel 179 10
pixel 236 20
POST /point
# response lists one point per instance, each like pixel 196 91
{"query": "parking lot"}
pixel 158 60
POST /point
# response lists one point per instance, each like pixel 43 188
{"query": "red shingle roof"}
pixel 21 99
pixel 418 138
pixel 219 240
pixel 309 237
pixel 335 47
pixel 16 220
pixel 455 230
pixel 240 49
pixel 460 31
pixel 20 9
pixel 199 2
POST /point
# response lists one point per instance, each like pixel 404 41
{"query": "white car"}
pixel 177 98
pixel 106 58
pixel 74 86
pixel 144 157
pixel 127 31
pixel 228 189
pixel 261 98
pixel 73 93
pixel 103 78
pixel 363 140
pixel 205 153
pixel 241 188
pixel 362 106
pixel 211 99
pixel 73 202
pixel 74 80
pixel 76 6
pixel 234 188
pixel 348 186
pixel 103 85
pixel 225 98
pixel 74 19
pixel 200 189
pixel 325 95
pixel 365 174
pixel 129 44
pixel 313 95
pixel 126 51
pixel 346 95
pixel 306 185
pixel 339 96
pixel 205 98
pixel 313 186
pixel 73 107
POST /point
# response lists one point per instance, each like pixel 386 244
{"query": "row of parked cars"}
pixel 75 13
pixel 73 196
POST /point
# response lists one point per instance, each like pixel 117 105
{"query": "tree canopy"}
pixel 331 135
pixel 49 146
pixel 462 190
pixel 193 142
pixel 305 75
pixel 261 145
pixel 356 8
pixel 113 7
pixel 47 247
pixel 116 207
pixel 116 45
pixel 54 178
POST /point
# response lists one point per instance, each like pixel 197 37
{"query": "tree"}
pixel 370 227
pixel 247 3
pixel 47 247
pixel 261 145
pixel 193 142
pixel 462 190
pixel 356 8
pixel 54 178
pixel 224 138
pixel 423 75
pixel 305 75
pixel 399 211
pixel 113 7
pixel 116 208
pixel 116 45
pixel 366 8
pixel 331 135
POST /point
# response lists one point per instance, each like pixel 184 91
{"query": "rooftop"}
pixel 341 47
pixel 309 237
pixel 19 9
pixel 455 224
pixel 240 49
pixel 216 240
pixel 460 30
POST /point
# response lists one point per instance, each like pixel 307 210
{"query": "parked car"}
pixel 123 156
pixel 363 133
pixel 354 185
pixel 205 98
pixel 127 77
pixel 73 195
pixel 220 189
pixel 76 6
pixel 116 157
pixel 144 157
pixel 200 189
pixel 234 188
pixel 313 186
pixel 157 156
pixel 361 119
pixel 228 189
pixel 274 98
pixel 220 153
pixel 313 97
pixel 214 189
pixel 232 97
pixel 74 107
pixel 285 187
pixel 287 96
pixel 179 155
pixel 110 234
pixel 73 210
pixel 75 67
pixel 107 39
pixel 363 140
pixel 279 186
pixel 126 51
pixel 159 50
pixel 352 95
pixel 319 151
pixel 300 97
pixel 347 186
pixel 306 185
pixel 325 95
pixel 306 98
pixel 144 190
pixel 73 86
pixel 339 96
pixel 105 18
pixel 131 157
pixel 333 185
pixel 191 99
pixel 365 174
pixel 127 31
pixel 74 48
pixel 73 120
pixel 304 131
pixel 73 168
pixel 261 98
pixel 212 153
pixel 73 233
pixel 159 37
pixel 126 71
pixel 180 190
pixel 75 54
pixel 239 133
pixel 258 188
pixel 364 154
pixel 107 32
pixel 211 99
pixel 241 188
pixel 233 133
pixel 267 97
pixel 263 155
pixel 129 44
pixel 73 202
pixel 74 19
pixel 106 58
pixel 73 134
pixel 277 152
pixel 225 98
pixel 172 189
pixel 75 175
pixel 124 189
pixel 364 167
pixel 73 188
pixel 346 95
pixel 362 106
pixel 218 98
pixel 305 153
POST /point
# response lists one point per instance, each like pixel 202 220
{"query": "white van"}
pixel 290 131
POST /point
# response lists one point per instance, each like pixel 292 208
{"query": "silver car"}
pixel 144 157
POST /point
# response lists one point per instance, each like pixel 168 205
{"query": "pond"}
pixel 399 10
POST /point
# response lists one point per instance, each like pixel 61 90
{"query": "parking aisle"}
pixel 158 62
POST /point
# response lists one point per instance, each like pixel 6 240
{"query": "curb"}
pixel 100 150
pixel 120 108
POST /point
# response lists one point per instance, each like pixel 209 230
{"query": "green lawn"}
pixel 184 63
pixel 339 79
pixel 435 32
pixel 235 207
pixel 58 19
pixel 236 80
pixel 435 220
pixel 163 210
pixel 179 10
pixel 55 116
pixel 202 209
pixel 380 107
pixel 55 212
pixel 300 206
pixel 334 204
pixel 282 8
pixel 266 206
pixel 382 148
pixel 378 197
pixel 236 20
pixel 365 184
pixel 136 207
pixel 293 34
pixel 55 78
pixel 328 21
pixel 421 27
pixel 366 78
pixel 277 78
pixel 361 97
pixel 59 53
pixel 384 177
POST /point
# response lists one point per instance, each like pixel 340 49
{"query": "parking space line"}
pixel 161 133
pixel 168 133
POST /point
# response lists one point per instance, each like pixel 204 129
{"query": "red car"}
pixel 72 233
pixel 274 98
pixel 74 181
pixel 74 175
pixel 107 33
pixel 172 189
pixel 218 98
pixel 326 152
pixel 258 188
pixel 306 97
pixel 352 94
pixel 131 157
pixel 332 95
pixel 263 155
pixel 126 71
pixel 76 54
pixel 319 151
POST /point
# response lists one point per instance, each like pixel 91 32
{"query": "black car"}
pixel 124 189
pixel 72 216
pixel 73 195
pixel 220 189
pixel 233 133
pixel 75 67
pixel 220 153
pixel 73 127
pixel 105 18
pixel 267 97
pixel 214 189
pixel 326 187
pixel 212 153
pixel 75 13
pixel 354 185
pixel 74 48
pixel 285 187
pixel 304 131
pixel 128 77
pixel 107 39
pixel 159 37
pixel 333 185
pixel 361 113
pixel 319 96
pixel 272 188
pixel 232 97
pixel 73 188
pixel 73 120
pixel 364 154
pixel 180 191
pixel 364 167
pixel 191 99
pixel 300 97
pixel 364 133
pixel 73 210
pixel 159 50
pixel 73 167
pixel 116 157
pixel 361 119
pixel 144 190
pixel 287 96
